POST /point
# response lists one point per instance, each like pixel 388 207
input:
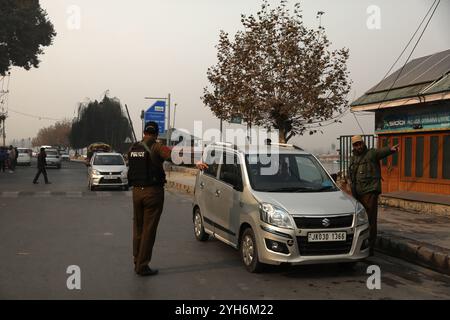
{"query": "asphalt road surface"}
pixel 44 229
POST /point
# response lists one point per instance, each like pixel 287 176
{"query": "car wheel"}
pixel 125 188
pixel 249 252
pixel 59 166
pixel 199 230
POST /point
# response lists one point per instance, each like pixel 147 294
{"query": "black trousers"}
pixel 44 172
pixel 2 165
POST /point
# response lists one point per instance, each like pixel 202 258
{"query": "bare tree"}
pixel 278 74
pixel 55 135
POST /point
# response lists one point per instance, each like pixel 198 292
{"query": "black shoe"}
pixel 148 272
pixel 35 182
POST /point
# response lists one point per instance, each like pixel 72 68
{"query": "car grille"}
pixel 110 181
pixel 110 173
pixel 345 221
pixel 324 248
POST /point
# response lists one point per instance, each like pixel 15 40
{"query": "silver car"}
pixel 282 208
pixel 107 170
pixel 53 158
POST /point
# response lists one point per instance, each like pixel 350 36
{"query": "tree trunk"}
pixel 282 135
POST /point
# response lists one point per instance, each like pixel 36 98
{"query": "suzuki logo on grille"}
pixel 326 222
pixel 110 173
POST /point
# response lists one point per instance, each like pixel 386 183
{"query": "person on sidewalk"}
pixel 41 167
pixel 365 177
pixel 11 159
pixel 147 176
pixel 3 158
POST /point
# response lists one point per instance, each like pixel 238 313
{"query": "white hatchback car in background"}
pixel 53 158
pixel 24 157
pixel 107 169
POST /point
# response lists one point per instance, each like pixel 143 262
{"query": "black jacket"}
pixel 41 160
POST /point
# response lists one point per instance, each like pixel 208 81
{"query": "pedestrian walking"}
pixel 365 176
pixel 16 156
pixel 11 159
pixel 41 163
pixel 3 158
pixel 147 176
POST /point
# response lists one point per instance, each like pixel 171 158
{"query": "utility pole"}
pixel 4 90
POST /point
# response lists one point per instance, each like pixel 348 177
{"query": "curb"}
pixel 432 257
pixel 180 186
pixel 174 168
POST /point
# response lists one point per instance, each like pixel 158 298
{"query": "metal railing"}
pixel 345 150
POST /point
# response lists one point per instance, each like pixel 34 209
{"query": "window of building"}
pixel 434 153
pixel 395 155
pixel 384 143
pixel 419 156
pixel 408 157
pixel 446 158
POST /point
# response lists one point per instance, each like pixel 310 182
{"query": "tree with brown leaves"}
pixel 55 135
pixel 278 74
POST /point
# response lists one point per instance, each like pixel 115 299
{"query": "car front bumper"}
pixel 355 248
pixel 109 181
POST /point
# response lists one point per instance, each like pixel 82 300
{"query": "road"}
pixel 46 228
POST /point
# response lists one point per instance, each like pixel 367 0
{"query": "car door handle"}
pixel 217 193
pixel 202 185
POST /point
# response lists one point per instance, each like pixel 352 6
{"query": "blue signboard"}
pixel 157 113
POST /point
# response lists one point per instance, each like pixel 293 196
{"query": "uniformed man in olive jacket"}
pixel 147 176
pixel 365 175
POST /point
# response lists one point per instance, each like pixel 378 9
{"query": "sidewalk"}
pixel 422 239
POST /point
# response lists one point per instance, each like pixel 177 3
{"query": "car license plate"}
pixel 327 236
pixel 110 177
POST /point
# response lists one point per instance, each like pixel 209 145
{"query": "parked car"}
pixel 286 210
pixel 24 157
pixel 53 158
pixel 107 170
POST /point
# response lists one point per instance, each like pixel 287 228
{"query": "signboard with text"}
pixel 157 113
pixel 411 119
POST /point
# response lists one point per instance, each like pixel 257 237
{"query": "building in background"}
pixel 412 108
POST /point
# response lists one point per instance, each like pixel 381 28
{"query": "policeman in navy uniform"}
pixel 147 176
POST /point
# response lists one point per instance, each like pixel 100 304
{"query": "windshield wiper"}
pixel 292 189
pixel 325 188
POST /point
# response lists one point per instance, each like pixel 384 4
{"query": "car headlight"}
pixel 275 215
pixel 95 172
pixel 361 215
pixel 124 173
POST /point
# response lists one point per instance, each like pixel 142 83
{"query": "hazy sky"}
pixel 142 48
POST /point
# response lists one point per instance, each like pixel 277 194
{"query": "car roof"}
pixel 255 149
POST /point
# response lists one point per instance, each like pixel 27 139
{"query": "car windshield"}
pixel 51 153
pixel 24 151
pixel 108 160
pixel 287 173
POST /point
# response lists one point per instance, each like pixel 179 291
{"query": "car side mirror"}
pixel 334 177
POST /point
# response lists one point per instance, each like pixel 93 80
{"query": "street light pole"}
pixel 174 114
